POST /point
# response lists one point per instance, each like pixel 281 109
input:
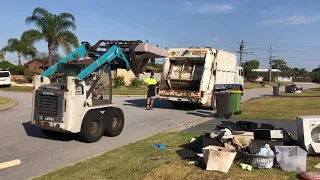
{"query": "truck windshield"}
pixel 4 74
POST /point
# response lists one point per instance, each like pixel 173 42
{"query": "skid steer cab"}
pixel 75 96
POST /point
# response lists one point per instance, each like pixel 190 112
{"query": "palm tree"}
pixel 23 47
pixel 54 29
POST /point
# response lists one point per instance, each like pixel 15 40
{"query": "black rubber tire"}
pixel 227 116
pixel 111 116
pixel 92 116
pixel 50 133
pixel 239 112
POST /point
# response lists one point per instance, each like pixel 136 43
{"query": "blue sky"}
pixel 289 26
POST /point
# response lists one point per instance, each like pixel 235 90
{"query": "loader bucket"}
pixel 137 52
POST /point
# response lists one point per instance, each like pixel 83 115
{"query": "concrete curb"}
pixel 190 124
pixel 9 105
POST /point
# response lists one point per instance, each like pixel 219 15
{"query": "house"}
pixel 262 73
pixel 35 66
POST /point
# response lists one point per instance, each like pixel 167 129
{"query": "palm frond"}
pixel 67 16
pixel 69 37
pixel 66 25
pixel 39 11
pixel 67 40
pixel 32 35
pixel 8 48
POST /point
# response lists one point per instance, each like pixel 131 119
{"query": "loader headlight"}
pixel 79 89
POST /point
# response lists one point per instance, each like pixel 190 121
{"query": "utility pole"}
pixel 270 63
pixel 242 47
pixel 242 51
pixel 278 64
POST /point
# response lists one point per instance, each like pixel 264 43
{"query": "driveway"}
pixel 39 154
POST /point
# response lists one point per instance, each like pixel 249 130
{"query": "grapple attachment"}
pixel 137 53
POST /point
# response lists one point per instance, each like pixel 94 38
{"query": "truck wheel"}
pixel 92 128
pixel 113 119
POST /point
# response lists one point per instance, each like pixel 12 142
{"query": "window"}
pixel 4 74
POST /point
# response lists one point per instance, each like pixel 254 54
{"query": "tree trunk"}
pixel 19 58
pixel 51 49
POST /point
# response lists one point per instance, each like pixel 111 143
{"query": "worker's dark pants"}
pixel 150 95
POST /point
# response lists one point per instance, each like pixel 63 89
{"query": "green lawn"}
pixel 252 86
pixel 4 101
pixel 129 91
pixel 283 107
pixel 17 88
pixel 305 93
pixel 134 162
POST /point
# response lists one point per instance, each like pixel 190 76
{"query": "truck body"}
pixel 193 75
pixel 72 97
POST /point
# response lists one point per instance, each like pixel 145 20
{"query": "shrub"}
pixel 136 82
pixel 118 81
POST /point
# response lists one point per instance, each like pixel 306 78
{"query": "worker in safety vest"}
pixel 151 82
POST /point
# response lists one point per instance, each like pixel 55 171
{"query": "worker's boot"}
pixel 148 107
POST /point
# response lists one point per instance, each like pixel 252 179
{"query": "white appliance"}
pixel 308 131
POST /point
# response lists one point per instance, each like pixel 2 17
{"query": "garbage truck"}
pixel 193 75
pixel 75 97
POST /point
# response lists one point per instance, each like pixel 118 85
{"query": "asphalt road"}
pixel 38 155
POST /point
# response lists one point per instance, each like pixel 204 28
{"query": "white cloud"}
pixel 293 20
pixel 207 8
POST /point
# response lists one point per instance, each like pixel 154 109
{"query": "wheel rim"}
pixel 116 122
pixel 95 126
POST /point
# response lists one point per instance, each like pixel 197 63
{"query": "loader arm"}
pixel 114 52
pixel 80 52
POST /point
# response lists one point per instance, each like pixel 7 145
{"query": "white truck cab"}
pixel 5 77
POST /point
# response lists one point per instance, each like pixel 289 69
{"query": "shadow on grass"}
pixel 188 153
pixel 37 132
pixel 255 98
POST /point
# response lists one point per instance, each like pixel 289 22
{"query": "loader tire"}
pixel 92 128
pixel 113 119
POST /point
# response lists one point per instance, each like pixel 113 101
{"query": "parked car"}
pixel 5 77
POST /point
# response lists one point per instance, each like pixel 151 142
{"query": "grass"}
pixel 129 91
pixel 134 161
pixel 313 92
pixel 115 91
pixel 17 88
pixel 285 107
pixel 252 86
pixel 4 101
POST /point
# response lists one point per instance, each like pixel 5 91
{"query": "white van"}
pixel 5 78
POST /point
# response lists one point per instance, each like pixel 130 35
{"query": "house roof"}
pixel 43 62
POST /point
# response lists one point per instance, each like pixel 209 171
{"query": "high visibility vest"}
pixel 151 81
